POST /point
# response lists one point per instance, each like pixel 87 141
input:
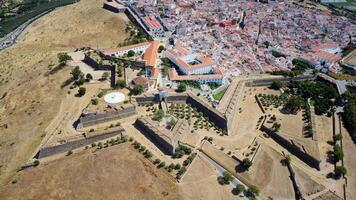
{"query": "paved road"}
pixel 10 39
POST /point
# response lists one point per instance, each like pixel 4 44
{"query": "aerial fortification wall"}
pixel 49 151
pixel 96 118
pixel 213 114
pixel 269 81
pixel 153 134
pixel 292 148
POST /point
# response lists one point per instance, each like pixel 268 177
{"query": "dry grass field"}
pixel 200 182
pixel 117 172
pixel 270 175
pixel 350 164
pixel 28 99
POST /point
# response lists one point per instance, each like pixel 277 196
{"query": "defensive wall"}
pixel 292 148
pixel 97 118
pixel 269 81
pixel 196 102
pixel 49 151
pixel 154 135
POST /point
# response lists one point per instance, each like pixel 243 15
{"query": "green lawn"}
pixel 219 95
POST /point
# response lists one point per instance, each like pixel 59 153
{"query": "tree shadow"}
pixel 330 157
pixel 240 168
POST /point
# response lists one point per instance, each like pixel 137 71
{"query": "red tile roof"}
pixel 150 55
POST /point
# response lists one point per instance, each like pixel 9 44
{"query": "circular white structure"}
pixel 114 97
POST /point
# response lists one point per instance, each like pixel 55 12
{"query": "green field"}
pixel 219 95
pixel 28 10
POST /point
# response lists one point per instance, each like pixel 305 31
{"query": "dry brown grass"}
pixel 117 172
pixel 200 182
pixel 31 99
pixel 268 173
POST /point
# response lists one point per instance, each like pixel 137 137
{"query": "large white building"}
pixel 194 66
pixel 189 63
pixel 137 48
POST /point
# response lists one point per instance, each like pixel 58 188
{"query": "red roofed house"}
pixel 145 82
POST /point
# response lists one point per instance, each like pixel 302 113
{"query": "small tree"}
pixel 293 105
pixel 36 163
pixel 121 83
pixel 266 43
pixel 160 49
pixel 227 176
pixel 63 58
pixel 89 77
pixel 95 101
pixel 288 159
pixel 247 163
pixel 239 188
pixel 338 137
pixel 69 152
pixel 182 87
pixel 138 89
pixel 105 76
pixel 340 171
pixel 119 70
pixel 177 166
pixel 276 85
pixel 276 126
pixel 81 91
pixel 162 164
pixel 339 154
pixel 253 191
pixel 158 115
pixel 130 53
pixel 76 73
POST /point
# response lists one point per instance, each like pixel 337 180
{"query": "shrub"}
pixel 247 163
pixel 89 77
pixel 70 152
pixel 177 166
pixel 94 101
pixel 253 191
pixel 338 137
pixel 182 171
pixel 182 87
pixel 156 161
pixel 138 89
pixel 105 76
pixel 276 85
pixel 227 177
pixel 339 154
pixel 239 188
pixel 121 83
pixel 81 91
pixel 36 163
pixel 340 171
pixel 210 139
pixel 162 164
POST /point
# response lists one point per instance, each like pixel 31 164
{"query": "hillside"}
pixel 119 171
pixel 28 99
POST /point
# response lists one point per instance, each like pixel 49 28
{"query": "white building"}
pixel 137 48
pixel 189 63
